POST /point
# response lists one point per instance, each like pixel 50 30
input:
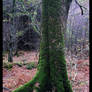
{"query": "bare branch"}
pixel 81 7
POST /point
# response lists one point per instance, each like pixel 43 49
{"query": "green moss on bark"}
pixel 52 73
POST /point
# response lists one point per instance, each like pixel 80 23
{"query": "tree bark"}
pixel 52 73
pixel 12 34
pixel 10 54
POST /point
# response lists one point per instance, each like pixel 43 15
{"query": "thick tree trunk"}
pixel 52 72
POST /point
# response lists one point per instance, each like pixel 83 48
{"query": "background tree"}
pixel 27 18
pixel 12 33
pixel 52 72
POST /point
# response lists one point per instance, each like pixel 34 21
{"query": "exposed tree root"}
pixel 44 83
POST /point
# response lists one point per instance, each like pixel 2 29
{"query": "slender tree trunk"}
pixel 10 54
pixel 52 73
pixel 11 41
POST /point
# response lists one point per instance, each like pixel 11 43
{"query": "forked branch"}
pixel 81 7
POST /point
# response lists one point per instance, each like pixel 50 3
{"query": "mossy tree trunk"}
pixel 52 73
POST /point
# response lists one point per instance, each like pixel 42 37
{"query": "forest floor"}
pixel 78 72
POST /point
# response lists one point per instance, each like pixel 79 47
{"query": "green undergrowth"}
pixel 9 65
pixel 31 65
pixel 19 64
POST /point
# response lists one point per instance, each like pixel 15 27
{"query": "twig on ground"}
pixel 5 88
